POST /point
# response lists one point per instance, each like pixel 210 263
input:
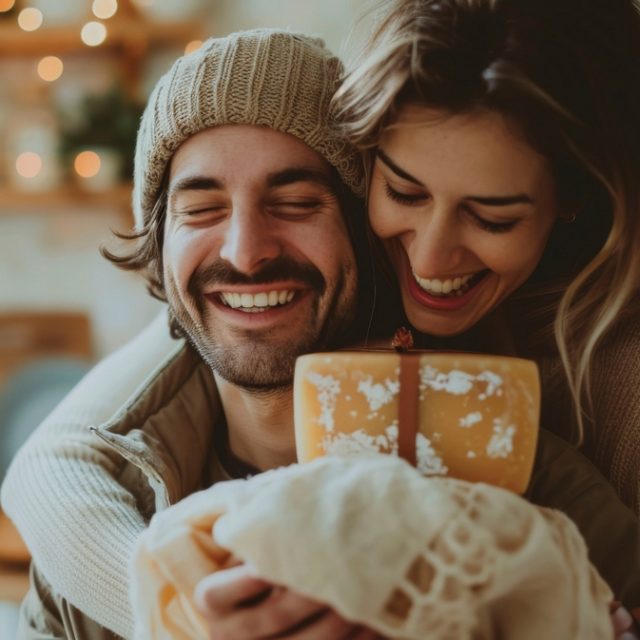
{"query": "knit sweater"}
pixel 88 552
pixel 612 426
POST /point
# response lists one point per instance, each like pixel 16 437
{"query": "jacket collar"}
pixel 166 427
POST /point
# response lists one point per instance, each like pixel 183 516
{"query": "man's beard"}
pixel 252 361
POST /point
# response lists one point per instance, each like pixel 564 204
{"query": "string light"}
pixel 192 46
pixel 93 34
pixel 50 68
pixel 28 164
pixel 6 5
pixel 87 164
pixel 104 9
pixel 30 19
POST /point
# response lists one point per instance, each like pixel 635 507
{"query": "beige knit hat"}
pixel 266 77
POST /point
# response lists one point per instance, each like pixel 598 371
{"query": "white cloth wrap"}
pixel 409 556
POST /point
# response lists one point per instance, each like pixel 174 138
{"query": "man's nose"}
pixel 436 246
pixel 249 240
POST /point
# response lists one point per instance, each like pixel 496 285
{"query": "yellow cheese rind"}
pixel 478 414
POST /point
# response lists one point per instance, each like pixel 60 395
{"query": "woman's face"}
pixel 465 207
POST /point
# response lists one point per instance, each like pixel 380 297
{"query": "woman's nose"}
pixel 249 240
pixel 435 245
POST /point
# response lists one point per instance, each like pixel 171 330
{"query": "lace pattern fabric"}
pixel 409 556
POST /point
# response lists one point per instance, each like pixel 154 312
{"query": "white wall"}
pixel 51 262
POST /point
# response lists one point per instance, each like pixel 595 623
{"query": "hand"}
pixel 237 605
pixel 622 623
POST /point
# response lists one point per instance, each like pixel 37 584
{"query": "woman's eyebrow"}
pixel 488 201
pixel 501 201
pixel 396 169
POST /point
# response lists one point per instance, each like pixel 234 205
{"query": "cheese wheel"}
pixel 469 416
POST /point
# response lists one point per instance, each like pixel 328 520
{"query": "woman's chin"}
pixel 441 323
pixel 438 328
pixel 435 323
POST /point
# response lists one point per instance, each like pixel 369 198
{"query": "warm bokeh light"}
pixel 28 164
pixel 5 5
pixel 30 19
pixel 93 33
pixel 104 9
pixel 50 68
pixel 192 46
pixel 87 164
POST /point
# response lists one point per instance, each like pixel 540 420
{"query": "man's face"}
pixel 258 266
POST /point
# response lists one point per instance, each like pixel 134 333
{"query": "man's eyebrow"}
pixel 192 183
pixel 300 174
pixel 396 169
pixel 488 201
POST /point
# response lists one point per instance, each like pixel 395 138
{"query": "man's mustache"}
pixel 283 268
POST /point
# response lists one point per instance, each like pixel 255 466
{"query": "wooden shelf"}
pixel 131 36
pixel 12 200
pixel 125 33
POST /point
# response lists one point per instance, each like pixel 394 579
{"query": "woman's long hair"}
pixel 567 74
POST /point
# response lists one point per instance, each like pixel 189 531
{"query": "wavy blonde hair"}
pixel 567 73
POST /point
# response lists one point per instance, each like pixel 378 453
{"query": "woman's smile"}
pixel 454 286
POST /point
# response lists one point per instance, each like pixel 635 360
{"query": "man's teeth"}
pixel 258 301
pixel 452 286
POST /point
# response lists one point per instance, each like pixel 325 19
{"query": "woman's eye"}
pixel 408 199
pixel 493 227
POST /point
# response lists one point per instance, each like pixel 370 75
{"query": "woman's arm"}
pixel 61 490
pixel 615 390
pixel 564 479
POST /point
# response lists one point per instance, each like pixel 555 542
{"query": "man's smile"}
pixel 257 298
pixel 272 303
pixel 256 302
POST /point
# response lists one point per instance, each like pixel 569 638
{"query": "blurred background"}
pixel 74 76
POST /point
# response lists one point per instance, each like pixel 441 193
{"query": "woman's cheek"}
pixel 381 220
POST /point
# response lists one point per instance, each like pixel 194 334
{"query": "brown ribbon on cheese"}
pixel 408 399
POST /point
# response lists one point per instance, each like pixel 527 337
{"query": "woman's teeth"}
pixel 257 302
pixel 450 287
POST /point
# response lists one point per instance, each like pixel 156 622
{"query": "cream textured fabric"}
pixel 263 77
pixel 411 557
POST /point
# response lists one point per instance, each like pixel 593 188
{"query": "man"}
pixel 243 223
pixel 241 198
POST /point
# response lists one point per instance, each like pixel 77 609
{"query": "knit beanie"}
pixel 261 77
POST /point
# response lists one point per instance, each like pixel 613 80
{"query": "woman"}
pixel 482 259
pixel 503 149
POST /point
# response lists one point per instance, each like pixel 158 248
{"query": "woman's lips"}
pixel 444 303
